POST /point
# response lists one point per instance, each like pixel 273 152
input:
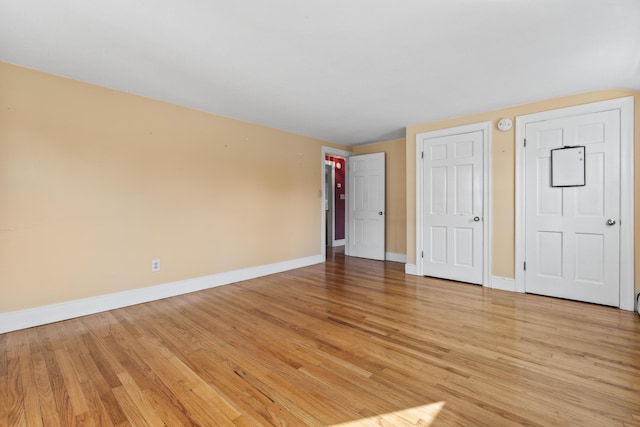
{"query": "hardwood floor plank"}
pixel 103 360
pixel 352 342
pixel 145 377
pixel 202 390
pixel 3 355
pixel 135 398
pixel 135 416
pixel 103 371
pixel 192 403
pixel 90 377
pixel 262 409
pixel 47 409
pixel 230 356
pixel 4 397
pixel 71 382
pixel 4 390
pixel 50 340
pixel 131 364
pixel 15 394
pixel 86 420
pixel 169 410
pixel 98 412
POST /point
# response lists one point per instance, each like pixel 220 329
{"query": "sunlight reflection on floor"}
pixel 420 415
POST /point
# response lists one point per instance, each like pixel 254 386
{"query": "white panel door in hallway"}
pixel 453 207
pixel 572 234
pixel 366 201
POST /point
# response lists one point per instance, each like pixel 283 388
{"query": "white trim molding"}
pixel 503 283
pixel 485 128
pixel 390 256
pixel 13 321
pixel 330 151
pixel 410 269
pixel 627 268
pixel 340 242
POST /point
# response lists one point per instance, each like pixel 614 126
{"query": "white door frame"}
pixel 485 128
pixel 625 105
pixel 330 151
pixel 330 200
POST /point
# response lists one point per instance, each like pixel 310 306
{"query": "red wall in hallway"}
pixel 339 202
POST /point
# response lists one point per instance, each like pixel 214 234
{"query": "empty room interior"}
pixel 296 213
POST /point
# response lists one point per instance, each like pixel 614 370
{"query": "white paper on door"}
pixel 567 166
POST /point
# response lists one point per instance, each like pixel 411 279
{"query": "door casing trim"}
pixel 627 238
pixel 323 232
pixel 485 128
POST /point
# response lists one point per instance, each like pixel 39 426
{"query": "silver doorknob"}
pixel 611 222
pixel 380 213
pixel 476 218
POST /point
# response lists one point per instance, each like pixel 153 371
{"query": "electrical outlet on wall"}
pixel 155 265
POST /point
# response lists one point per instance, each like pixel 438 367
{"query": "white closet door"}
pixel 453 206
pixel 572 233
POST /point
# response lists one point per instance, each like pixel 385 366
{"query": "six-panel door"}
pixel 366 201
pixel 453 191
pixel 572 233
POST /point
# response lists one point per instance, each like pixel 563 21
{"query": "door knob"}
pixel 476 218
pixel 380 213
pixel 611 222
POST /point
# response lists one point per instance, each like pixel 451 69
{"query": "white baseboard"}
pixel 390 256
pixel 340 242
pixel 411 269
pixel 22 319
pixel 503 283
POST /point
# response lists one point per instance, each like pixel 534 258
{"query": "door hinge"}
pixel 422 154
pixel 525 265
pixel 422 254
pixel 525 143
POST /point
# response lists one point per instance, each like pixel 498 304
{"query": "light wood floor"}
pixel 350 343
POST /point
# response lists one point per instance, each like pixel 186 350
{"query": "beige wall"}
pixel 396 202
pixel 96 183
pixel 503 174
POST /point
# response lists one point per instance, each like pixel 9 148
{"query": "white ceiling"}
pixel 347 71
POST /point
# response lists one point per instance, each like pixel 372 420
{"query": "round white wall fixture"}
pixel 505 124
